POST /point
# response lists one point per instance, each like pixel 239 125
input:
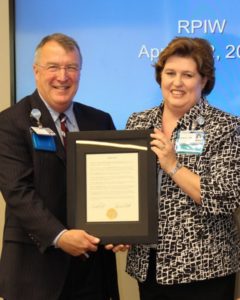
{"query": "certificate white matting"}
pixel 112 187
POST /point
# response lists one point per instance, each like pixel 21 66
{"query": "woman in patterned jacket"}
pixel 198 150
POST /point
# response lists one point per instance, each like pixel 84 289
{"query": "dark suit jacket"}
pixel 33 184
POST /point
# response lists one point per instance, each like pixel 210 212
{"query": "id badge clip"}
pixel 43 139
pixel 190 142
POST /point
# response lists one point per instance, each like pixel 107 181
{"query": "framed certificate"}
pixel 111 185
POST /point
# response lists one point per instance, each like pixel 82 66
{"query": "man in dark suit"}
pixel 41 258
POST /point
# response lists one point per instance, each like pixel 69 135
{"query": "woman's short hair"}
pixel 199 50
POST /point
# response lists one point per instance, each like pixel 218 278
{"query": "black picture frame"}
pixel 144 230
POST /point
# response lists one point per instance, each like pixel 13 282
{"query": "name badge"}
pixel 43 131
pixel 190 142
pixel 43 139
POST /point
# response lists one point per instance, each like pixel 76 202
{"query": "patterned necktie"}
pixel 64 129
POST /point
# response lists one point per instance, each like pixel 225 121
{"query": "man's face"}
pixel 57 75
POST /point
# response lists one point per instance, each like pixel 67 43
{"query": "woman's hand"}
pixel 164 149
pixel 117 248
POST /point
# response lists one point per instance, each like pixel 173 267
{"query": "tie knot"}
pixel 62 118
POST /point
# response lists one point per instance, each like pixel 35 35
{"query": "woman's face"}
pixel 181 83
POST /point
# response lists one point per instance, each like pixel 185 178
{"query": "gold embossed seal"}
pixel 111 213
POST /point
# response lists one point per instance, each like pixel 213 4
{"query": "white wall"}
pixel 4 79
pixel 127 285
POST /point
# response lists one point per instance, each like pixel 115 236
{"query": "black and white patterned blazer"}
pixel 196 242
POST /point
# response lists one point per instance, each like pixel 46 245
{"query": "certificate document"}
pixel 112 185
pixel 112 191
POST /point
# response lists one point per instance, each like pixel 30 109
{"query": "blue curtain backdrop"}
pixel 120 41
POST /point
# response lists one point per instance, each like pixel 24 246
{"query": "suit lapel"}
pixel 82 117
pixel 47 121
pixel 79 116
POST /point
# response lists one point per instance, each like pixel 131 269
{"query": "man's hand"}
pixel 77 242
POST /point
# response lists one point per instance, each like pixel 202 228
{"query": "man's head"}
pixel 57 66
